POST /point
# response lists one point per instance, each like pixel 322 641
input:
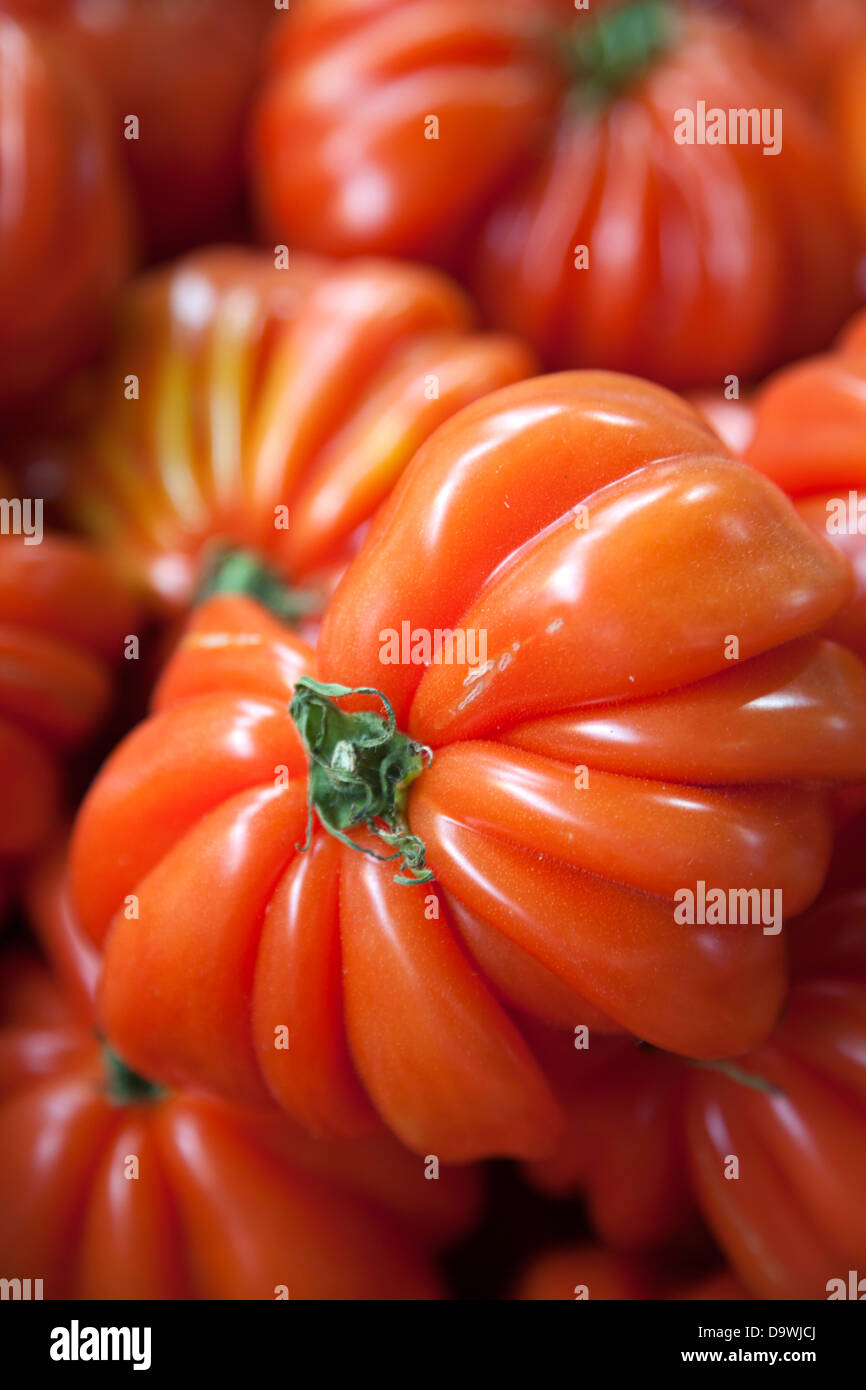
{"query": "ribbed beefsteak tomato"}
pixel 271 408
pixel 771 1150
pixel 63 620
pixel 606 752
pixel 186 72
pixel 115 1189
pixel 809 436
pixel 731 417
pixel 585 170
pixel 64 230
pixel 849 95
pixel 793 1224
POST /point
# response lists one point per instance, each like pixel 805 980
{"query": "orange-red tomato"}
pixel 436 1212
pixel 732 419
pixel 849 94
pixel 652 1141
pixel 548 162
pixel 581 1272
pixel 63 621
pixel 63 230
pixel 591 528
pixel 809 436
pixel 271 408
pixel 586 1272
pixel 794 1220
pixel 116 1190
pixel 812 35
pixel 187 72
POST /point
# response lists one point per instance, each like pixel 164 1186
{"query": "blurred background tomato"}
pixel 531 149
pixel 186 69
pixel 64 231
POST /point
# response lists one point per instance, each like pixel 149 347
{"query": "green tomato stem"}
pixel 722 1067
pixel 124 1086
pixel 361 767
pixel 230 570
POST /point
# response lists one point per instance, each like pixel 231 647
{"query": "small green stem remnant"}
pixel 738 1075
pixel 124 1086
pixel 361 767
pixel 608 56
pixel 228 570
pixel 722 1067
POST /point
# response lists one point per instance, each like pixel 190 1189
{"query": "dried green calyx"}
pixel 227 569
pixel 608 55
pixel 361 767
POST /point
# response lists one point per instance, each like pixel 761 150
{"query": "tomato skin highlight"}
pixel 629 645
pixel 229 861
pixel 608 932
pixel 485 138
pixel 299 974
pixel 815 36
pixel 552 905
pixel 374 1166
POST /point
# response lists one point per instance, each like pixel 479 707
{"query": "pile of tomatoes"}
pixel 433 648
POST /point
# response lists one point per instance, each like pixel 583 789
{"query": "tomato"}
pixel 850 118
pixel 581 1272
pixel 577 516
pixel 809 436
pixel 733 419
pixel 853 338
pixel 124 1191
pixel 63 621
pixel 187 72
pixel 275 409
pixel 811 34
pixel 623 1144
pixel 64 229
pixel 535 150
pixel 794 1220
pixel 653 1141
pixel 589 1272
